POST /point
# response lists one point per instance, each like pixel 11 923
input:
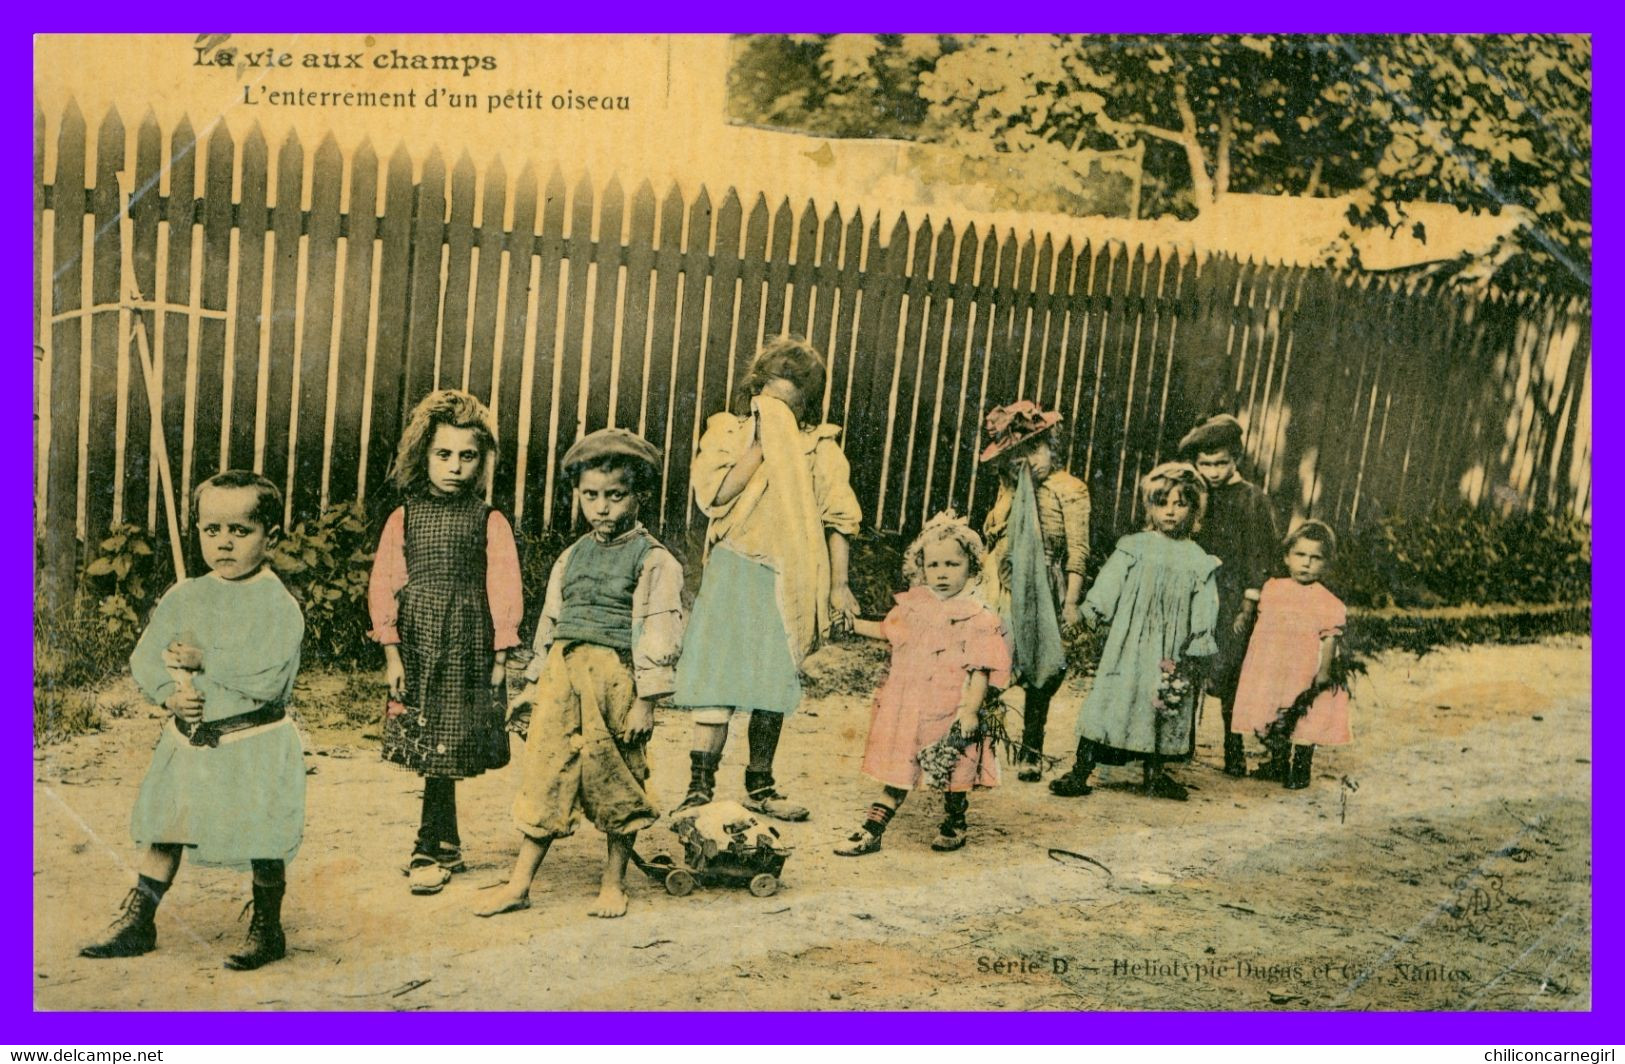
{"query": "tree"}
pixel 1249 113
pixel 1486 122
pixel 856 85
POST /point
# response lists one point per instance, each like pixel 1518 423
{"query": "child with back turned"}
pixel 606 648
pixel 227 780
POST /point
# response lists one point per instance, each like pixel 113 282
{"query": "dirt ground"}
pixel 1442 861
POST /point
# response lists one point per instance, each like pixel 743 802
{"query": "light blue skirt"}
pixel 736 653
pixel 241 801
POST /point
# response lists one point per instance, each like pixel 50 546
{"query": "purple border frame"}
pixel 19 1024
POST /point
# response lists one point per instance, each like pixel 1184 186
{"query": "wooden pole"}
pixel 135 299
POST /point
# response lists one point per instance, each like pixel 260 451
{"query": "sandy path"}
pixel 1457 876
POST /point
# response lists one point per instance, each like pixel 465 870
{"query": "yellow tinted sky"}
pixel 522 98
pixel 674 85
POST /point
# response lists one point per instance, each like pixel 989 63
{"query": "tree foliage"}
pixel 857 85
pixel 1485 122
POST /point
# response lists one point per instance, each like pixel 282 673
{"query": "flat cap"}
pixel 1221 432
pixel 605 443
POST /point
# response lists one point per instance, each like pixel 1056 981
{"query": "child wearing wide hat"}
pixel 1037 536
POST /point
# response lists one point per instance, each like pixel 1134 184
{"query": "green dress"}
pixel 1162 602
pixel 245 798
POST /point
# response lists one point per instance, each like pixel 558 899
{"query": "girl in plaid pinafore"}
pixel 445 602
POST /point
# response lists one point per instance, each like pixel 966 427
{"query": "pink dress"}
pixel 1282 659
pixel 935 642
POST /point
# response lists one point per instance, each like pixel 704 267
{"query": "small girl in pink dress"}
pixel 1287 695
pixel 948 648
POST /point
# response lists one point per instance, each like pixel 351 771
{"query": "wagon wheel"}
pixel 679 881
pixel 764 885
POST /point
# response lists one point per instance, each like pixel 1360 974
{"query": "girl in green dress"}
pixel 1158 593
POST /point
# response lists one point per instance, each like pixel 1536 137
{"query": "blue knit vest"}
pixel 599 582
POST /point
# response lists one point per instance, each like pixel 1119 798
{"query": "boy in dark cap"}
pixel 1238 528
pixel 606 647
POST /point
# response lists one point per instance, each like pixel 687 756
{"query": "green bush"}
pixel 537 553
pixel 1419 633
pixel 875 570
pixel 325 563
pixel 1465 556
pixel 72 647
pixel 91 638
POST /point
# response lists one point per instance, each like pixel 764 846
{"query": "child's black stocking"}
pixel 438 823
pixel 1303 759
pixel 154 889
pixel 1276 767
pixel 1235 750
pixel 1075 783
pixel 450 837
pixel 761 795
pixel 1034 718
pixel 269 873
pixel 702 777
pixel 956 804
pixel 879 815
pixel 765 729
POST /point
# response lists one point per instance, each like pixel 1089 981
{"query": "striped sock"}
pixel 877 819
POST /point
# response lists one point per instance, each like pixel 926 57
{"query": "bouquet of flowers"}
pixel 1174 690
pixel 937 761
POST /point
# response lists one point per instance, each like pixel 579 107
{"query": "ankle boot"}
pixel 1075 782
pixel 265 942
pixel 702 779
pixel 1235 755
pixel 1278 765
pixel 133 933
pixel 1303 757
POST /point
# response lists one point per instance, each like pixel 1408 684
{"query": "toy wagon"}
pixel 724 844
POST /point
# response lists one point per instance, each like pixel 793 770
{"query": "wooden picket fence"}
pixel 296 307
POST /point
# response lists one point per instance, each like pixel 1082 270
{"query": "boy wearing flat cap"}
pixel 607 646
pixel 1238 528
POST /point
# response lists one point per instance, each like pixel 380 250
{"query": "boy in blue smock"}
pixel 227 780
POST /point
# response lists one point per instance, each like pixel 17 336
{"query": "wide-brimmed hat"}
pixel 604 443
pixel 1013 425
pixel 1221 432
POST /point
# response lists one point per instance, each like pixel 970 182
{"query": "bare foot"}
pixel 610 904
pixel 507 902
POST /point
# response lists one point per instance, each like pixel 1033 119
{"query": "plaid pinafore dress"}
pixel 453 724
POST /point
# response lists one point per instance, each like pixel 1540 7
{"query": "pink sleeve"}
pixel 1333 617
pixel 987 649
pixel 894 626
pixel 388 577
pixel 502 587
